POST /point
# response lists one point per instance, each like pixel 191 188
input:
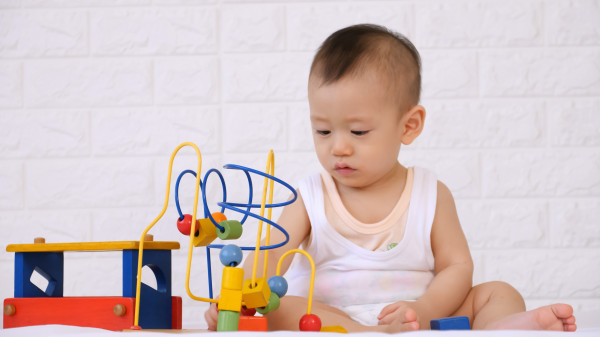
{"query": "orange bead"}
pixel 218 216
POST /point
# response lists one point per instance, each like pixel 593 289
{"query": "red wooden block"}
pixel 252 323
pixel 111 313
pixel 176 312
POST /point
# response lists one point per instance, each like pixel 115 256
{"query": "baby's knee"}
pixel 500 288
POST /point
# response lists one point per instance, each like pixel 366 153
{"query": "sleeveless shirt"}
pixel 347 274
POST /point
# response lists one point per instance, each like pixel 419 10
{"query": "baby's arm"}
pixel 295 221
pixel 453 267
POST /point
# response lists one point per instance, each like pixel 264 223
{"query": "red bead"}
pixel 248 312
pixel 185 225
pixel 310 323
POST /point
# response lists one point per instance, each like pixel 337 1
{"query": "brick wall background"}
pixel 95 94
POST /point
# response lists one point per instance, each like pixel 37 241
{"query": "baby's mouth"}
pixel 343 169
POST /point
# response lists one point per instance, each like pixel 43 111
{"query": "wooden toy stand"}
pixel 35 306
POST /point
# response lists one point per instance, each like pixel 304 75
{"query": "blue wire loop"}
pixel 177 190
pixel 236 207
pixel 203 186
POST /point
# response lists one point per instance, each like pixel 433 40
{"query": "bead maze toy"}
pixel 144 307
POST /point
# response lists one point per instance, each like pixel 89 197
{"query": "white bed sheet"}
pixel 62 330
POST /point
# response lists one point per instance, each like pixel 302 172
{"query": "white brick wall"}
pixel 95 94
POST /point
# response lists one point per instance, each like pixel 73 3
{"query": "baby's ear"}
pixel 412 123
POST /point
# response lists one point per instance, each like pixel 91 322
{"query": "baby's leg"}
pixel 558 317
pixel 497 305
pixel 292 308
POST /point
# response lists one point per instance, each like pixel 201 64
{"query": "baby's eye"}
pixel 323 132
pixel 359 132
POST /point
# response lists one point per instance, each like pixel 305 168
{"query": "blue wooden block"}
pixel 155 305
pixel 49 265
pixel 451 323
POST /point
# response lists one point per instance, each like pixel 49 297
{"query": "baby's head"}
pixel 363 93
pixel 366 49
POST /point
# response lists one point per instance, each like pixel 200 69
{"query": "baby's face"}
pixel 357 128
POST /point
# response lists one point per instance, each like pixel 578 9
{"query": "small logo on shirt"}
pixel 392 245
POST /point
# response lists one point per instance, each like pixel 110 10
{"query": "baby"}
pixel 389 250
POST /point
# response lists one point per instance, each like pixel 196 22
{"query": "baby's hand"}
pixel 400 314
pixel 211 315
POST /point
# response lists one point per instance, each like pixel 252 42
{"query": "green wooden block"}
pixel 271 306
pixel 228 320
pixel 232 229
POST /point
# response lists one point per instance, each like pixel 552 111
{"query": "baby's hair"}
pixel 352 50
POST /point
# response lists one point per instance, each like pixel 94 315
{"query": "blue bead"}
pixel 231 255
pixel 278 285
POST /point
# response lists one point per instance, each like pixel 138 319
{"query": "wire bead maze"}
pixel 237 296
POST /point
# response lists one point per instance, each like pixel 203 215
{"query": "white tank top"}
pixel 382 235
pixel 347 274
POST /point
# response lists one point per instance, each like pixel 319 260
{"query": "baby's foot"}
pixel 405 320
pixel 557 317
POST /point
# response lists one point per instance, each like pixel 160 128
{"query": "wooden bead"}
pixel 231 255
pixel 271 306
pixel 232 229
pixel 218 216
pixel 230 300
pixel 310 322
pixel 185 225
pixel 233 278
pixel 251 323
pixel 205 234
pixel 119 310
pixel 248 312
pixel 278 285
pixel 228 320
pixel 257 295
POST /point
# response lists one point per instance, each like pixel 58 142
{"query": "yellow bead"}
pixel 258 295
pixel 207 232
pixel 233 278
pixel 230 300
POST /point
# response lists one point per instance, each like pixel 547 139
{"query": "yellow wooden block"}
pixel 258 295
pixel 233 278
pixel 207 233
pixel 90 246
pixel 230 300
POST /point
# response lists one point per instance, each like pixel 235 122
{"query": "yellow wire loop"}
pixel 269 170
pixel 312 273
pixel 192 231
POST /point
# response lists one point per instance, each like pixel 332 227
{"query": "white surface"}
pixel 59 330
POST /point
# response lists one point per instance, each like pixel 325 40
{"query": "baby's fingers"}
pixel 388 309
pixel 211 316
pixel 386 319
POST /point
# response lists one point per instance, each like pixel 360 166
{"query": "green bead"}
pixel 232 229
pixel 271 306
pixel 228 320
